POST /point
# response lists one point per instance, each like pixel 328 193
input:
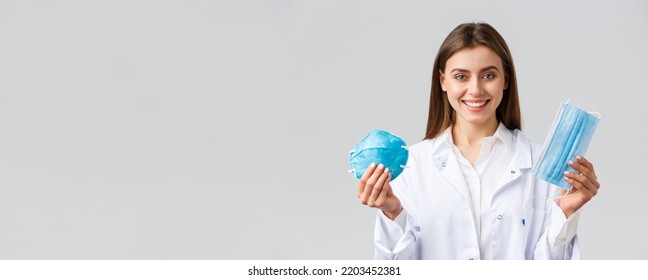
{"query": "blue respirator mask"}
pixel 570 136
pixel 378 147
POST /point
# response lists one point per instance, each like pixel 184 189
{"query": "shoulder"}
pixel 421 156
pixel 422 146
pixel 427 147
pixel 526 145
pixel 520 136
pixel 533 145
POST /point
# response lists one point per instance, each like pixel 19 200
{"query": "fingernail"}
pixel 566 179
pixel 387 170
pixel 372 165
pixel 380 166
pixel 579 157
pixel 566 173
pixel 571 162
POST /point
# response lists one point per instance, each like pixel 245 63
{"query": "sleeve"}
pixel 559 241
pixel 396 239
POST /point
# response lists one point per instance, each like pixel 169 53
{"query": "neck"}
pixel 464 133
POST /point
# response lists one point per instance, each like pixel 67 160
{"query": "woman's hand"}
pixel 585 186
pixel 374 190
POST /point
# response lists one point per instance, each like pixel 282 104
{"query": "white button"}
pixel 443 164
pixel 512 171
pixel 499 217
pixel 471 259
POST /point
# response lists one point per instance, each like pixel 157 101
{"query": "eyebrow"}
pixel 482 70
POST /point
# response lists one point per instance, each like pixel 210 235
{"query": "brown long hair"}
pixel 468 35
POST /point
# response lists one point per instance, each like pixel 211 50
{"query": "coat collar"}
pixel 441 147
pixel 447 164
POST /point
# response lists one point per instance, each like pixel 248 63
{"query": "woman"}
pixel 468 192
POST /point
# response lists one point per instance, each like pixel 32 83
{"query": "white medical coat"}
pixel 437 221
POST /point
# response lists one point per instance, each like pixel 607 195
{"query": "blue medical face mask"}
pixel 570 136
pixel 378 147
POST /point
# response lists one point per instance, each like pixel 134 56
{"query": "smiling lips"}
pixel 476 105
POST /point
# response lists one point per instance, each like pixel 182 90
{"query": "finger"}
pixel 581 183
pixel 576 187
pixel 377 189
pixel 584 170
pixel 365 177
pixel 378 171
pixel 586 163
pixel 384 191
pixel 583 161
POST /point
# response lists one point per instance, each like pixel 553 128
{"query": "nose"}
pixel 475 87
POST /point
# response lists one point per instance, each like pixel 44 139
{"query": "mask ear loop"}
pixel 558 198
pixel 597 115
pixel 567 193
pixel 406 149
pixel 352 170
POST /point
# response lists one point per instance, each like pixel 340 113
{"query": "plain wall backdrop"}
pixel 220 129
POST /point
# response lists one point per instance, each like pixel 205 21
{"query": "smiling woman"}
pixel 474 88
pixel 466 43
pixel 468 192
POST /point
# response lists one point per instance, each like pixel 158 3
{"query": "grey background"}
pixel 220 129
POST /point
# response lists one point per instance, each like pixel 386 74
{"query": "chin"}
pixel 478 120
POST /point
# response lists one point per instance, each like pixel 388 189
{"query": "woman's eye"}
pixel 489 76
pixel 460 77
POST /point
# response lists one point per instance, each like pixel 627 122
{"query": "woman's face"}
pixel 474 81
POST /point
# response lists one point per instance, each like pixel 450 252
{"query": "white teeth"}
pixel 475 104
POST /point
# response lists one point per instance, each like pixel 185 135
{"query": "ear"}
pixel 442 80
